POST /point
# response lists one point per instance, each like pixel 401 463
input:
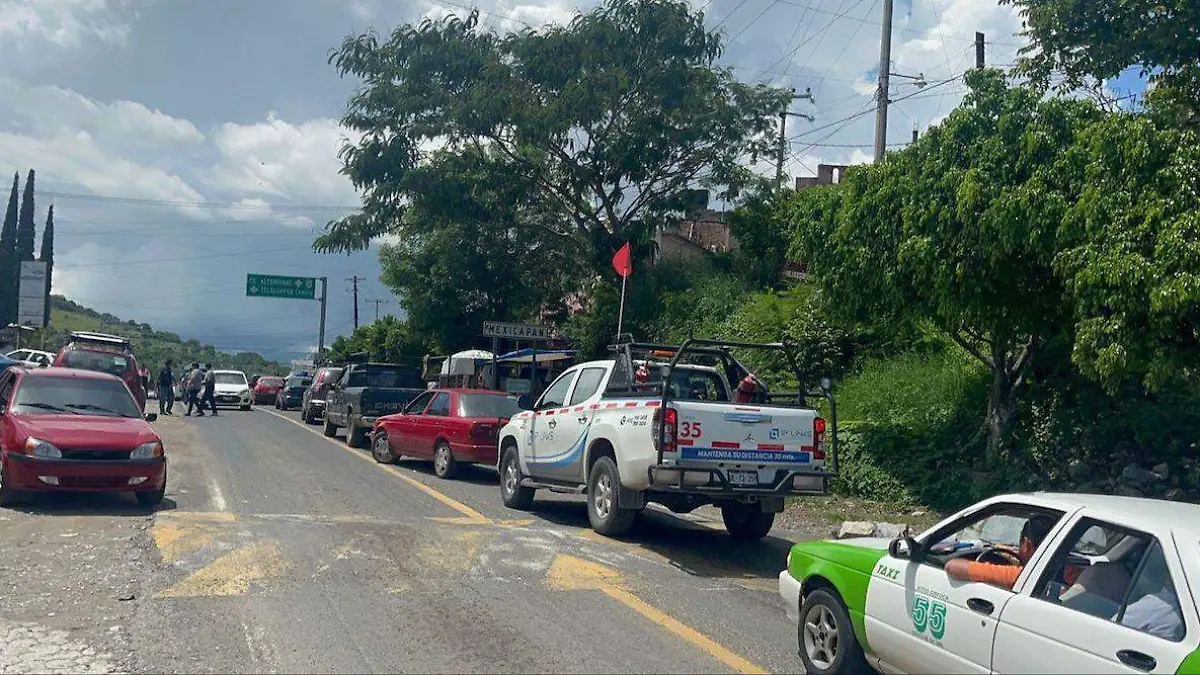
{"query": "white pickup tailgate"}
pixel 725 433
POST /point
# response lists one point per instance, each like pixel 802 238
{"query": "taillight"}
pixel 482 432
pixel 670 443
pixel 819 438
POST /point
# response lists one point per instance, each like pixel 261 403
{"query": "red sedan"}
pixel 450 426
pixel 267 389
pixel 77 431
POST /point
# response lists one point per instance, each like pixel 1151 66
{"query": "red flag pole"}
pixel 623 263
pixel 621 312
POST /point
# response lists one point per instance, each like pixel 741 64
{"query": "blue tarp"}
pixel 543 355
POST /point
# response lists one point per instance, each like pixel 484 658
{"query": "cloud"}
pixel 64 23
pixel 276 158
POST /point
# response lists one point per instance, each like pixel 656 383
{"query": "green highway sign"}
pixel 271 286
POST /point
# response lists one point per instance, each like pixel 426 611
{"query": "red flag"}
pixel 623 262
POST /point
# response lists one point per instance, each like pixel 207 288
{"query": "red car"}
pixel 77 431
pixel 104 353
pixel 267 389
pixel 449 426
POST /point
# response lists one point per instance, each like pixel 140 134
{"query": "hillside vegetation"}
pixel 152 347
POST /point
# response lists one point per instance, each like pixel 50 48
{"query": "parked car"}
pixel 675 431
pixel 312 408
pixel 365 392
pixel 450 426
pixel 291 394
pixel 104 353
pixel 1109 588
pixel 32 357
pixel 231 389
pixel 76 430
pixel 266 389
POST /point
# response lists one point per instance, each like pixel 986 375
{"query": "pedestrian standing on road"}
pixel 194 382
pixel 166 389
pixel 210 388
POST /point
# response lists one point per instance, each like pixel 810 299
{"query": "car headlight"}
pixel 147 450
pixel 39 448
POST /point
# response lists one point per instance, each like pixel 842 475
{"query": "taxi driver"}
pixel 1004 576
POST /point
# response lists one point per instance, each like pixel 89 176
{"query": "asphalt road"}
pixel 279 550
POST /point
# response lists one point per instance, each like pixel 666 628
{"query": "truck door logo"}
pixel 931 615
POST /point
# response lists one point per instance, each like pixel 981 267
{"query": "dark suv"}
pixel 312 407
pixel 104 353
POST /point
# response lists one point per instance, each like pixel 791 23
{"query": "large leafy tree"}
pixel 388 339
pixel 960 231
pixel 1084 39
pixel 472 251
pixel 610 116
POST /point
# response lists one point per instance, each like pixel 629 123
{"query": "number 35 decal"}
pixel 689 430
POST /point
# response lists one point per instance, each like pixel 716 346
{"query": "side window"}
pixel 993 535
pixel 417 406
pixel 19 355
pixel 440 405
pixel 1115 574
pixel 587 386
pixel 556 395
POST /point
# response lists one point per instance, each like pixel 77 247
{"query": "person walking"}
pixel 194 382
pixel 166 389
pixel 210 388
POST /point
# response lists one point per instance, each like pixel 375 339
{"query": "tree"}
pixel 610 116
pixel 1101 39
pixel 47 256
pixel 470 251
pixel 9 266
pixel 388 339
pixel 959 230
pixel 26 230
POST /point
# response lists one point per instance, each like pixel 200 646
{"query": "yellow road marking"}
pixel 214 516
pixel 475 517
pixel 232 573
pixel 569 573
pixel 175 541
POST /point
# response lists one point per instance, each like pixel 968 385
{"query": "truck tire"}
pixel 356 436
pixel 514 495
pixel 606 516
pixel 444 464
pixel 746 522
pixel 330 427
pixel 826 639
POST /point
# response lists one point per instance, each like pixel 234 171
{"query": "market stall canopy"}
pixel 463 363
pixel 543 356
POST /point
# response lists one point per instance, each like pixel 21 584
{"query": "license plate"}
pixel 742 477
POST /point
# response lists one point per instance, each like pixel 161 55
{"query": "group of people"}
pixel 198 385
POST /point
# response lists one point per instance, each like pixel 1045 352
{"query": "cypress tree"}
pixel 10 273
pixel 26 231
pixel 47 256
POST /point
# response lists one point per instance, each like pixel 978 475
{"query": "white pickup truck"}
pixel 634 430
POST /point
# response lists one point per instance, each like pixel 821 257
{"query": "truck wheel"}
pixel 746 522
pixel 330 428
pixel 515 495
pixel 826 638
pixel 356 436
pixel 444 464
pixel 606 517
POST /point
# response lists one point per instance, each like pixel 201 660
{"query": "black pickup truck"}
pixel 367 391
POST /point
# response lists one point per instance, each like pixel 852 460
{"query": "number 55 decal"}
pixel 689 430
pixel 929 615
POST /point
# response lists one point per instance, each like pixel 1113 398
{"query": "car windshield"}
pixel 299 382
pixel 230 378
pixel 271 381
pixel 74 396
pixel 104 362
pixel 488 405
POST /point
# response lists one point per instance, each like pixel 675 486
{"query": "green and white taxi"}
pixel 1111 588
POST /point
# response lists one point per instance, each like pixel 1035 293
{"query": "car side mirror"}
pixel 151 417
pixel 904 548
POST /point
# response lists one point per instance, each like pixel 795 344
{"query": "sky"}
pixel 185 144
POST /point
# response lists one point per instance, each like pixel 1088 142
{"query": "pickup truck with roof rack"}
pixel 646 426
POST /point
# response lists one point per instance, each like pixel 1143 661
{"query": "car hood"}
pixel 87 431
pixel 229 388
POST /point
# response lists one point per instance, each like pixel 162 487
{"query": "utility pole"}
pixel 354 280
pixel 783 115
pixel 914 140
pixel 885 65
pixel 978 49
pixel 379 302
pixel 321 333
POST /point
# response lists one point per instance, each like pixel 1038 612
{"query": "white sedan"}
pixel 1029 583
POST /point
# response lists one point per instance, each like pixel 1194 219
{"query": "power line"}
pixel 754 20
pixel 730 14
pixel 138 201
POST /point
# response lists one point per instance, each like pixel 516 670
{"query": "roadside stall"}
pixel 528 371
pixel 469 369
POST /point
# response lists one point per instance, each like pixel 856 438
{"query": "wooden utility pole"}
pixel 379 302
pixel 354 280
pixel 885 65
pixel 978 49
